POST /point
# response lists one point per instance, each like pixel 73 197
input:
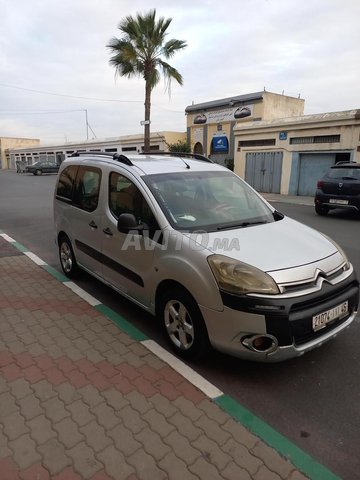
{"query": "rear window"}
pixel 66 182
pixel 344 173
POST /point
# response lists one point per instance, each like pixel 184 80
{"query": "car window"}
pixel 87 187
pixel 353 173
pixel 66 182
pixel 207 200
pixel 125 197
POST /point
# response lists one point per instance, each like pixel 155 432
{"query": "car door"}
pixel 85 218
pixel 128 258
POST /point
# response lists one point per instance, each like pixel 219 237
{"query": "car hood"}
pixel 273 246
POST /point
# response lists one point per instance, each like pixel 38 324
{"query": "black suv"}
pixel 339 188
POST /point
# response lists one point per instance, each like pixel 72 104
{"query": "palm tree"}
pixel 139 53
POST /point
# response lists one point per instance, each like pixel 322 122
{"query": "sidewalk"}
pixel 81 399
pixel 294 199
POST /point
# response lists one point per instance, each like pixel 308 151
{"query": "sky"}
pixel 54 64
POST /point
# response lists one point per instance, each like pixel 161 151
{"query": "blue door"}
pixel 313 166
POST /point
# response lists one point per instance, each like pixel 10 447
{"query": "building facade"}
pixel 159 141
pixel 289 155
pixel 8 143
pixel 210 125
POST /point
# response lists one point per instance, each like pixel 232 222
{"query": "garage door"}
pixel 263 171
pixel 312 167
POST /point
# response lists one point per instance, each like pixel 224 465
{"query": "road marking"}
pixel 7 238
pixel 193 377
pixel 35 258
pixel 84 295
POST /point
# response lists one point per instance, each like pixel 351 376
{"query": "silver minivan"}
pixel 192 243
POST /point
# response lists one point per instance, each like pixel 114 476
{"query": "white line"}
pixel 197 380
pixel 84 295
pixel 35 258
pixel 7 238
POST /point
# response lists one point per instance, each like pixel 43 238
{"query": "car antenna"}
pixel 187 165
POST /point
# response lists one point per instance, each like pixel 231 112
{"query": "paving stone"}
pixel 233 471
pixel 138 401
pixel 4 386
pixel 43 390
pixel 212 429
pixel 80 413
pixel 115 465
pixel 102 475
pixel 182 447
pixel 35 472
pixel 67 474
pixel 53 456
pixel 30 407
pixel 297 476
pixel 152 443
pixel 95 436
pixel 84 460
pixel 14 426
pixel 54 409
pixel 4 449
pixel 187 408
pixel 185 426
pixel 8 468
pixel 204 469
pixel 133 359
pixel 212 452
pixel 25 454
pixel 213 411
pixel 124 440
pixel 145 466
pixel 68 393
pixel 162 405
pixel 272 459
pixel 115 399
pixel 7 405
pixel 11 372
pixel 68 432
pixel 242 456
pixel 265 474
pixel 176 469
pixel 240 433
pixel 90 395
pixel 41 429
pixel 105 415
pixel 132 419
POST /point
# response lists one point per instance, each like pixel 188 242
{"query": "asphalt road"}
pixel 313 400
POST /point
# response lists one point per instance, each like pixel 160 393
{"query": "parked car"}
pixel 339 188
pixel 192 243
pixel 39 168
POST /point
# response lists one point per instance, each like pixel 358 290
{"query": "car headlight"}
pixel 343 254
pixel 236 277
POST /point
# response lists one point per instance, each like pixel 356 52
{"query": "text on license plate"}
pixel 319 321
pixel 339 202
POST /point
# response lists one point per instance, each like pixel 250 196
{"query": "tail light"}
pixel 320 184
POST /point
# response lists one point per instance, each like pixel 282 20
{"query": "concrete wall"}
pixel 9 142
pixel 281 106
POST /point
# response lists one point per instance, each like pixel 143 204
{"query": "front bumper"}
pixel 288 320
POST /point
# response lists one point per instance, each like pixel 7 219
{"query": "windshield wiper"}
pixel 240 225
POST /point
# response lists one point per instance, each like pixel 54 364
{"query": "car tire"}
pixel 183 324
pixel 38 172
pixel 321 210
pixel 67 258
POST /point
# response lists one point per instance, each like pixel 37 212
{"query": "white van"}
pixel 195 245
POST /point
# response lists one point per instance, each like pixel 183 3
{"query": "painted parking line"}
pixel 300 459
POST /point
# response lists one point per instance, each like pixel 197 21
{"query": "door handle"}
pixel 107 231
pixel 92 224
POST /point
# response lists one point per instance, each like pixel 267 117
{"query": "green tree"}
pixel 180 146
pixel 141 51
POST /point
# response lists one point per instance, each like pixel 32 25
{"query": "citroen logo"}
pixel 340 184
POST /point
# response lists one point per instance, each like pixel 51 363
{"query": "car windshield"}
pixel 344 173
pixel 207 201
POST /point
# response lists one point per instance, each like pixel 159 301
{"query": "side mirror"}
pixel 127 223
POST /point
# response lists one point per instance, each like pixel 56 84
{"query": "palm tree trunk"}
pixel 147 117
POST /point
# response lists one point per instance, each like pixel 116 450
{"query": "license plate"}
pixel 338 201
pixel 322 319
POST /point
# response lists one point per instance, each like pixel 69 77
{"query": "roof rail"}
pixel 197 156
pixel 116 156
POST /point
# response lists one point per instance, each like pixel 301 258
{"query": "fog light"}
pixel 260 343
